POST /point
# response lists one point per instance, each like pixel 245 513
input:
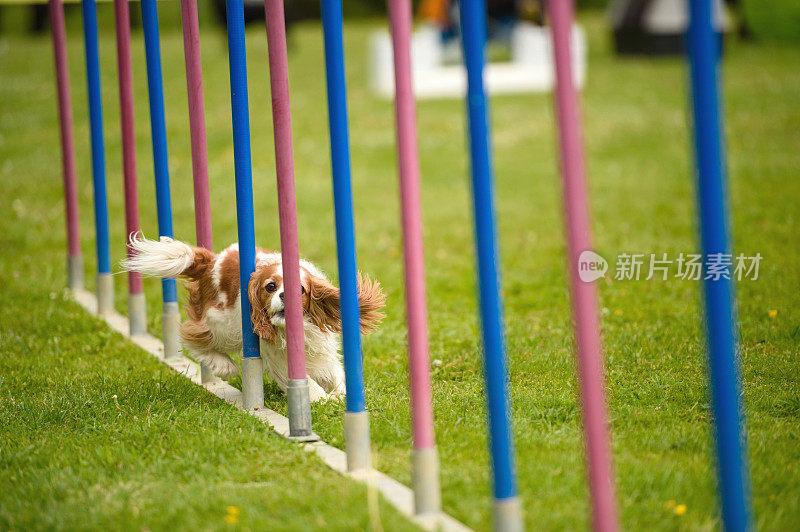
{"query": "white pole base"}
pixel 356 440
pixel 299 410
pixel 170 323
pixel 508 515
pixel 206 375
pixel 425 481
pixel 137 314
pixel 75 272
pixel 105 293
pixel 252 382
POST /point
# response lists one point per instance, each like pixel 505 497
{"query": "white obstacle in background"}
pixel 436 76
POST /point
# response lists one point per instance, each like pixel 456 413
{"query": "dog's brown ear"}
pixel 323 304
pixel 371 300
pixel 258 307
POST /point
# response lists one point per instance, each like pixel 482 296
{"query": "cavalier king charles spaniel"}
pixel 214 327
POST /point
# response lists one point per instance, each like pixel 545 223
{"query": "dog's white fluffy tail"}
pixel 158 258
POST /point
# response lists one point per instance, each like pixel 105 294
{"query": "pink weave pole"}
pixel 122 19
pixel 287 206
pixel 197 122
pixel 425 460
pixel 197 131
pixel 65 122
pixel 584 295
pixel 408 162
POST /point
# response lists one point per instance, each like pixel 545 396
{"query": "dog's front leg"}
pixel 315 391
pixel 276 367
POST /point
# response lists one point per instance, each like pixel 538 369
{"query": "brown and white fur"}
pixel 214 327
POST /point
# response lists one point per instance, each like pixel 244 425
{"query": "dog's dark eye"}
pixel 271 287
pixel 302 289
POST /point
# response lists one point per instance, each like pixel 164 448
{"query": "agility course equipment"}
pixel 425 457
pixel 197 132
pixel 585 306
pixel 105 283
pixel 393 491
pixel 74 256
pixel 356 417
pixel 170 318
pixel 252 368
pixel 137 318
pixel 426 477
pixel 438 72
pixel 703 46
pixel 197 123
pixel 507 507
pixel 297 393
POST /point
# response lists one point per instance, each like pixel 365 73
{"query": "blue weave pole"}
pixel 240 115
pixel 473 28
pixel 158 128
pixel 96 125
pixel 252 370
pixel 704 51
pixel 343 204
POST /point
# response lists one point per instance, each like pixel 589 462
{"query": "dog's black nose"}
pixel 281 296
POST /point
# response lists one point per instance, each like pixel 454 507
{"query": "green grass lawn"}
pixel 175 457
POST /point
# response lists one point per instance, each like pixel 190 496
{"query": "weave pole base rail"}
pixel 508 515
pixel 356 440
pixel 395 493
pixel 137 314
pixel 170 325
pixel 252 382
pixel 206 375
pixel 425 480
pixel 75 272
pixel 299 407
pixel 105 294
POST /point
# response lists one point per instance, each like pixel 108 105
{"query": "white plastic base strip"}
pixel 397 494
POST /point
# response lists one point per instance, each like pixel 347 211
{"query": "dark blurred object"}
pixel 502 15
pixel 743 29
pixel 772 19
pixel 39 18
pixel 294 11
pixel 501 8
pixel 531 11
pixel 654 27
pixel 583 4
pixel 299 10
pixel 253 11
pixel 36 17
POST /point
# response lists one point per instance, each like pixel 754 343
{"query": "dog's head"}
pixel 320 301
